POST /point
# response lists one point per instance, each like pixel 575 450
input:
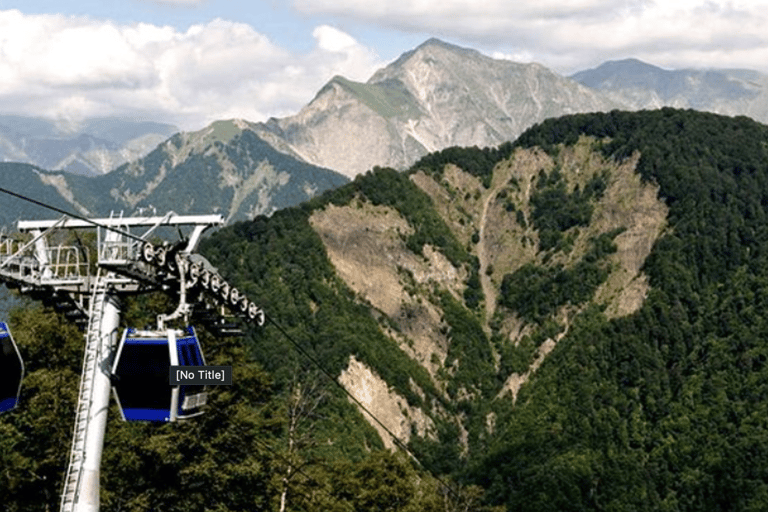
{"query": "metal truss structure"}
pixel 44 263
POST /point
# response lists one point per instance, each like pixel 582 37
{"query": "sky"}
pixel 191 62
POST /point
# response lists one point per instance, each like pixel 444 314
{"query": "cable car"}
pixel 140 375
pixel 11 370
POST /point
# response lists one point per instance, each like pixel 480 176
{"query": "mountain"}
pixel 643 86
pixel 31 182
pixel 91 148
pixel 224 168
pixel 433 97
pixel 572 322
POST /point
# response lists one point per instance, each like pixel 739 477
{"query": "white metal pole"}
pixel 88 495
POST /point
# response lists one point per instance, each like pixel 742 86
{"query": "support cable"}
pixel 298 470
pixel 314 361
pixel 69 214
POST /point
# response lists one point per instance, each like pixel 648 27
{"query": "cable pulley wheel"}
pixel 205 280
pixel 193 273
pixel 148 252
pixel 243 304
pixel 161 255
pixel 215 283
pixel 255 314
pixel 234 296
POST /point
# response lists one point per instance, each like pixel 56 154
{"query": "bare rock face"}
pixel 494 220
pixel 392 410
pixel 433 97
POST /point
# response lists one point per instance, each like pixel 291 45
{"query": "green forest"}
pixel 663 409
pixel 254 448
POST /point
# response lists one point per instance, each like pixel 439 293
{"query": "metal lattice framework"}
pixel 88 292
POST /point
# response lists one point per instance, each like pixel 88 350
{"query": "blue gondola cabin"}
pixel 140 375
pixel 11 370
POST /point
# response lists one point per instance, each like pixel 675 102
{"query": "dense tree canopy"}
pixel 665 409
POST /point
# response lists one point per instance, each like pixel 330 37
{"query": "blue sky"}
pixel 288 26
pixel 190 62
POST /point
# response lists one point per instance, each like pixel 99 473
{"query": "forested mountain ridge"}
pixel 581 330
pixel 224 168
pixel 570 321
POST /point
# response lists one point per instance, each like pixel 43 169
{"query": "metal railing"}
pixel 66 262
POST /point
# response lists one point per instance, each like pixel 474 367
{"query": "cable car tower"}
pixel 89 295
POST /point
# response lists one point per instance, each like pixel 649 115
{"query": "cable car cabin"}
pixel 11 370
pixel 140 375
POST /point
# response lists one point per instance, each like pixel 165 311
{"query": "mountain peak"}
pixel 439 43
pixel 630 67
pixel 629 72
pixel 630 62
pixel 640 85
pixel 430 47
pixel 435 96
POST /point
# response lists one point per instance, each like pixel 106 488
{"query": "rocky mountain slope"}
pixel 639 85
pixel 433 97
pixel 91 148
pixel 224 168
pixel 569 321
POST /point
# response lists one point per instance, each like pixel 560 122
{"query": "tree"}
pixel 301 409
pixel 35 438
pixel 219 461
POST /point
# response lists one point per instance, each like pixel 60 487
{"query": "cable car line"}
pixel 301 349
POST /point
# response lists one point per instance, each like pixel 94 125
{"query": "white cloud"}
pixel 337 53
pixel 69 67
pixel 569 34
pixel 333 40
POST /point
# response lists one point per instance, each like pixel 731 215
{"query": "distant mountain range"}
pixel 223 168
pixel 433 97
pixel 638 85
pixel 91 148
